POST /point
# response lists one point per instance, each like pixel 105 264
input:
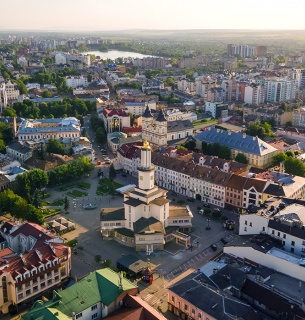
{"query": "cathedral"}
pixel 159 130
pixel 147 221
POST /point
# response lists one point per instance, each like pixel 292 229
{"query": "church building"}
pixel 159 130
pixel 147 221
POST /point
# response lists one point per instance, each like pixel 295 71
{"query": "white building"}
pixel 138 108
pixel 12 91
pixel 176 114
pixel 3 96
pixel 30 86
pixel 254 94
pixel 76 81
pixel 286 225
pixel 299 117
pixel 49 128
pixel 280 89
pixel 185 84
pixel 299 76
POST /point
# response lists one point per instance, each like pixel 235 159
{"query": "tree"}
pixel 38 179
pixel 54 146
pixel 89 77
pixel 272 122
pixel 288 124
pixel 241 158
pixel 101 135
pixel 182 148
pixel 278 158
pixel 289 153
pixel 9 112
pixel 224 152
pixel 2 147
pixel 283 106
pixel 112 173
pixel 190 145
pixel 97 258
pixel 66 204
pixel 295 167
pixel 47 94
pixel 37 199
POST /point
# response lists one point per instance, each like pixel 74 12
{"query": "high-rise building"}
pixel 254 93
pixel 280 89
pixel 245 50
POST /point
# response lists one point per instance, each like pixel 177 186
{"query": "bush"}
pixel 97 258
pixel 106 263
pixel 224 218
pixel 207 211
pixel 181 201
pixel 216 214
pixel 72 243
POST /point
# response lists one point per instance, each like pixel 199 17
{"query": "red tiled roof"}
pixel 132 129
pixel 109 113
pixel 34 230
pixel 30 259
pixel 6 252
pixel 128 150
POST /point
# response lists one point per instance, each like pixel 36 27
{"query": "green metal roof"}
pixel 99 286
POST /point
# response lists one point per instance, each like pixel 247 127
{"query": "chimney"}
pixel 272 288
pixel 229 132
pixel 244 135
pixel 253 138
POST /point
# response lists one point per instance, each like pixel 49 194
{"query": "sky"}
pixel 106 15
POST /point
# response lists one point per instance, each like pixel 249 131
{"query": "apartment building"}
pixel 3 96
pixel 35 261
pixel 245 50
pixel 185 84
pixel 12 91
pixel 280 89
pixel 217 109
pixel 299 117
pixel 254 94
pixel 138 108
pixel 76 81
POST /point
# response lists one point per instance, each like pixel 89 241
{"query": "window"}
pixel 193 311
pixel 41 278
pixel 250 224
pixel 264 229
pixel 4 289
pixel 94 307
pixel 63 270
pixel 20 296
pixel 292 243
pixel 28 292
pixel 94 316
pixel 278 234
pixel 185 307
pixel 173 299
pixel 199 315
pixel 245 229
pixel 42 285
pixel 79 315
pixel 272 231
pixel 35 289
pixel 284 236
pixel 246 222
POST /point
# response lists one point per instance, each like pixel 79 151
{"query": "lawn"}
pixel 104 186
pixel 77 193
pixel 67 187
pixel 203 122
pixel 45 203
pixel 57 203
pixel 48 212
pixel 84 185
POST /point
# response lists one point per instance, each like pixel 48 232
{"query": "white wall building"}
pixel 12 91
pixel 76 81
pixel 254 94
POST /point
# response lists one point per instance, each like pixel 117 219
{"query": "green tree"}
pixel 37 178
pixel 278 158
pixel 101 135
pixel 288 124
pixel 283 106
pixel 112 173
pixel 89 77
pixel 190 145
pixel 241 158
pixel 9 112
pixel 224 152
pixel 2 147
pixel 182 148
pixel 47 94
pixel 272 122
pixel 37 199
pixel 98 258
pixel 295 167
pixel 66 204
pixel 290 153
pixel 54 146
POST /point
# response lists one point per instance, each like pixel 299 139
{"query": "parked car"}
pixel 201 211
pixel 191 200
pixel 224 241
pixel 206 205
pixel 213 247
pixel 216 209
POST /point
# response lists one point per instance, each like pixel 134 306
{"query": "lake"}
pixel 114 54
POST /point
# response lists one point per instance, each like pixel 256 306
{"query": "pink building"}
pixel 234 191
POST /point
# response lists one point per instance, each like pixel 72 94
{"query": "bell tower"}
pixel 146 168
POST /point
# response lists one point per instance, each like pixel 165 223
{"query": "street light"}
pixel 208 226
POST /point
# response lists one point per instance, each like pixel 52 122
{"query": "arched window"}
pixel 4 289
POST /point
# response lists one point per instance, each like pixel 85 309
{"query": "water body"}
pixel 114 54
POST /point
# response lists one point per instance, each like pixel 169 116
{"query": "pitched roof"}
pixel 173 126
pixel 236 182
pixel 147 113
pixel 236 141
pixel 161 117
pixel 111 214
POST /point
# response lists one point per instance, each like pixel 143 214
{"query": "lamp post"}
pixel 208 226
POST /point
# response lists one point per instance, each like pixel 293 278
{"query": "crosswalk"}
pixel 151 299
pixel 197 260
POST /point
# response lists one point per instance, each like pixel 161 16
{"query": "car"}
pixel 213 247
pixel 216 209
pixel 224 241
pixel 201 211
pixel 206 205
pixel 191 200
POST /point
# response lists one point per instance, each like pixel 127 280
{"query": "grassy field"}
pixel 203 122
pixel 77 193
pixel 104 186
pixel 84 185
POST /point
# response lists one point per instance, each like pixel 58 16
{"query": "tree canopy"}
pixel 295 167
pixel 215 149
pixel 241 158
pixel 260 129
pixel 54 146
